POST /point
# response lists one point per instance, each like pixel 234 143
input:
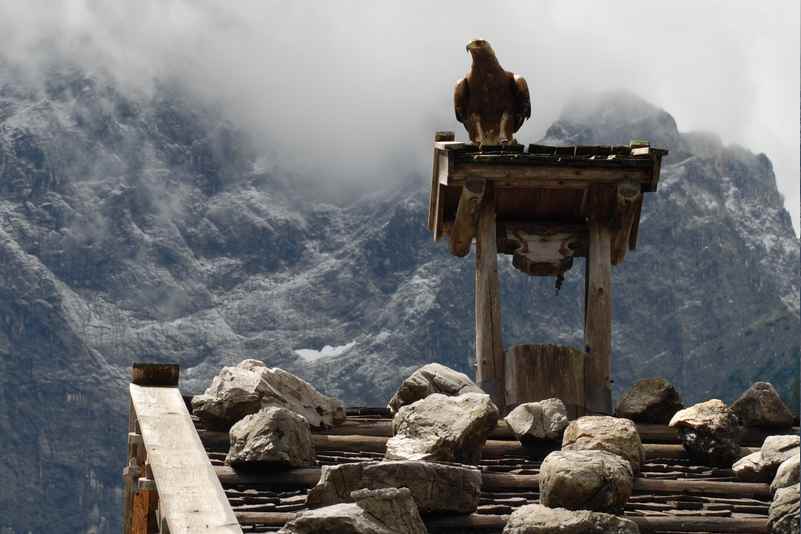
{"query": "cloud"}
pixel 353 91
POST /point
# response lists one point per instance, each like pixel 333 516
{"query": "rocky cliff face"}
pixel 146 228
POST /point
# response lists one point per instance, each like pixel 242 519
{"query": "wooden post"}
pixel 537 372
pixel 130 473
pixel 490 365
pixel 598 320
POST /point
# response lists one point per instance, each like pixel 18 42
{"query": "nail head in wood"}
pixel 155 374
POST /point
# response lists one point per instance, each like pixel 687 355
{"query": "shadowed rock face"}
pixel 710 433
pixel 143 227
pixel 652 400
pixel 762 406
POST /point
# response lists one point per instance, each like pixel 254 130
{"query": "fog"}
pixel 353 91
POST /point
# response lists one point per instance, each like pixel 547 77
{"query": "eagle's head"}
pixel 479 47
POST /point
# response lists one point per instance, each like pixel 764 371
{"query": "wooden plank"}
pixel 702 487
pixel 191 497
pixel 465 224
pixel 729 525
pixel 537 372
pixel 577 172
pixel 490 363
pixel 598 324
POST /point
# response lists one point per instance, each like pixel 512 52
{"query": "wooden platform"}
pixel 672 494
pixel 546 193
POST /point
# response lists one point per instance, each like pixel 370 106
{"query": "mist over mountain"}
pixel 138 227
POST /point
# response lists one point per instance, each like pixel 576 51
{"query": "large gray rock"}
pixel 786 475
pixel 538 519
pixel 783 516
pixel 382 511
pixel 761 405
pixel 761 466
pixel 599 432
pixel 651 400
pixel 542 420
pixel 434 487
pixel 250 386
pixel 776 449
pixel 586 480
pixel 710 433
pixel 451 429
pixel 751 468
pixel 431 378
pixel 272 435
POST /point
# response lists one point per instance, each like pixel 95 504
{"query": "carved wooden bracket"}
pixel 540 250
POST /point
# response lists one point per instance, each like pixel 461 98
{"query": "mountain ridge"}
pixel 140 228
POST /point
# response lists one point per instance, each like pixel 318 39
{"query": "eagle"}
pixel 491 102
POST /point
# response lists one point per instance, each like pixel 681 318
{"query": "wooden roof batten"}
pixel 170 484
pixel 544 206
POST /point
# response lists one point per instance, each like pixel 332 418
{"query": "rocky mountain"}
pixel 139 227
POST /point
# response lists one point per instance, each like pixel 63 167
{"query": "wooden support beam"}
pixel 130 473
pixel 626 216
pixel 465 224
pixel 598 323
pixel 490 364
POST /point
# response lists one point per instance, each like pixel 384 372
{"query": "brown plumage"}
pixel 491 102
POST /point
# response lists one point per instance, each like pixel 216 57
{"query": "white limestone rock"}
pixel 381 511
pixel 431 378
pixel 539 519
pixel 783 516
pixel 786 475
pixel 435 487
pixel 451 429
pixel 751 468
pixel 271 436
pixel 586 480
pixel 542 420
pixel 250 386
pixel 776 449
pixel 612 434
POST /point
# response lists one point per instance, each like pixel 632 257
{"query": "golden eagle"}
pixel 491 103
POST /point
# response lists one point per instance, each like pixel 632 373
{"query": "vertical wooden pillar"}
pixel 490 363
pixel 598 321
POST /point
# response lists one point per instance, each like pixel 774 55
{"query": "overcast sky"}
pixel 348 90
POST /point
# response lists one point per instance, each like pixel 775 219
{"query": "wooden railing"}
pixel 170 485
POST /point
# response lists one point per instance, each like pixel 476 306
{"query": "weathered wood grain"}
pixel 598 321
pixel 191 498
pixel 490 363
pixel 537 372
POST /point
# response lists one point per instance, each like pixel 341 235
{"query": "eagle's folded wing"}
pixel 461 97
pixel 523 100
